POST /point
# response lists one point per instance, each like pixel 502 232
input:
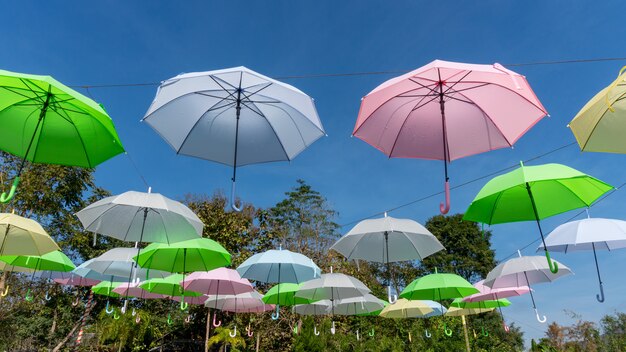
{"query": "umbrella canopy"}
pixel 438 287
pixel 85 271
pixel 44 121
pixel 457 312
pixel 54 261
pixel 234 116
pixel 190 300
pixel 119 262
pixel 438 309
pixel 446 111
pixel 247 302
pixel 598 126
pixel 75 280
pixel 221 281
pixel 365 304
pixel 133 290
pixel 405 308
pixel 141 217
pixel 388 240
pixel 198 254
pixel 279 266
pixel 588 234
pixel 487 304
pixel 487 293
pixel 106 288
pixel 285 295
pixel 322 307
pixel 22 236
pixel 169 286
pixel 533 193
pixel 333 287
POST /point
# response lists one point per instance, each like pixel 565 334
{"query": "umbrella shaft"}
pixel 595 257
pixel 443 129
pixel 530 290
pixel 238 113
pixel 42 115
pixel 532 202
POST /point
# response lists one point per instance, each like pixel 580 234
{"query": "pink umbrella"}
pixel 488 293
pixel 247 302
pixel 446 111
pixel 133 290
pixel 75 280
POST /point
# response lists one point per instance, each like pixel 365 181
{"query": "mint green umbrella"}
pixel 533 193
pixel 487 304
pixel 199 254
pixel 44 121
pixel 285 295
pixel 105 288
pixel 169 286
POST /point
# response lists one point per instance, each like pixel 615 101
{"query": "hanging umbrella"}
pixel 486 304
pixel 494 294
pixel 119 262
pixel 234 117
pixel 44 121
pixel 438 309
pixel 359 305
pixel 54 261
pixel 588 234
pixel 106 288
pixel 169 286
pixel 133 290
pixel 524 271
pixel 446 111
pixel 374 240
pixel 76 280
pixel 405 308
pixel 199 254
pixel 598 126
pixel 285 295
pixel 533 193
pixel 22 236
pixel 247 302
pixel 321 307
pixel 279 266
pixel 84 271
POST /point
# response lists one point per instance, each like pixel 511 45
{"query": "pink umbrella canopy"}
pixel 191 300
pixel 133 290
pixel 76 280
pixel 221 281
pixel 248 302
pixel 488 293
pixel 446 111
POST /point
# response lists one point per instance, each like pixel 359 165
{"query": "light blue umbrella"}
pixel 279 266
pixel 438 309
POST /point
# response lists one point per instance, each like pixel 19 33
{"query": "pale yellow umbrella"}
pixel 404 308
pixel 600 125
pixel 24 237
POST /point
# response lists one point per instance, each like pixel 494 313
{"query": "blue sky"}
pixel 112 42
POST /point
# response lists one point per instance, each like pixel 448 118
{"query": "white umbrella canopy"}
pixel 365 304
pixel 141 217
pixel 590 234
pixel 234 116
pixel 279 266
pixel 333 287
pixel 118 262
pixel 321 307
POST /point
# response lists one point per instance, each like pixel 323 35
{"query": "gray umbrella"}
pixel 365 304
pixel 234 116
pixel 524 271
pixel 388 240
pixel 119 262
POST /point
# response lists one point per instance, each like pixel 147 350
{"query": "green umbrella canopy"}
pixel 287 295
pixel 487 304
pixel 168 286
pixel 44 121
pixel 555 189
pixel 105 288
pixel 199 254
pixel 436 287
pixel 53 261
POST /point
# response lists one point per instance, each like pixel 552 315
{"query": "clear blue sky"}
pixel 111 42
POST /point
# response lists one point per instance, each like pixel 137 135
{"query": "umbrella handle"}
pixel 447 331
pixel 4 198
pixel 554 266
pixel 391 298
pixel 444 209
pixel 232 199
pixel 317 333
pixel 276 314
pixel 410 338
pixel 295 329
pixel 124 307
pixel 28 297
pixel 485 333
pixel 427 334
pixel 108 309
pixel 332 328
pixel 137 319
pixel 169 319
pixel 215 322
pixel 233 333
pixel 77 300
pixel 506 327
pixel 371 333
pixel 116 316
pixel 600 297
pixel 183 305
pixel 475 335
pixel 5 292
pixel 188 319
pixel 47 296
pixel 541 320
pixel 249 330
pixel 134 312
pixel 358 338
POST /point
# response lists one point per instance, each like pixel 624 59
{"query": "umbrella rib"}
pixel 80 137
pixel 273 130
pixel 19 103
pixel 194 126
pixel 456 82
pixel 12 90
pixel 215 79
pixel 406 119
pixel 31 89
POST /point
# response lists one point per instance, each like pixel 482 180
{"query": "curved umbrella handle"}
pixel 506 327
pixel 108 309
pixel 358 338
pixel 410 338
pixel 28 297
pixel 391 298
pixel 295 329
pixel 249 331
pixel 447 331
pixel 116 316
pixel 600 297
pixel 137 319
pixel 47 296
pixel 5 292
pixel 317 333
pixel 134 312
pixel 5 198
pixel 485 332
pixel 233 333
pixel 427 334
pixel 541 320
pixel 124 307
pixel 475 335
pixel 276 314
pixel 332 329
pixel 76 301
pixel 188 319
pixel 215 322
pixel 169 319
pixel 554 266
pixel 232 199
pixel 371 333
pixel 444 209
pixel 183 305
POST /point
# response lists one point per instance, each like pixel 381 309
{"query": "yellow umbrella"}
pixel 23 237
pixel 404 308
pixel 599 126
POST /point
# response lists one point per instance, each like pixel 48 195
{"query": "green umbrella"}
pixel 105 288
pixel 199 254
pixel 285 295
pixel 487 304
pixel 169 285
pixel 44 121
pixel 533 193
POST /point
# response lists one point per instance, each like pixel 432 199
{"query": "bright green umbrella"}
pixel 533 193
pixel 44 121
pixel 53 261
pixel 105 288
pixel 169 285
pixel 285 295
pixel 487 304
pixel 199 254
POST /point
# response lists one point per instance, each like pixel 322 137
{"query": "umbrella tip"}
pixel 149 189
pixel 519 253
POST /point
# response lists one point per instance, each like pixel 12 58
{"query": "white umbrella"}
pixel 321 307
pixel 119 262
pixel 524 271
pixel 235 117
pixel 388 240
pixel 365 304
pixel 588 234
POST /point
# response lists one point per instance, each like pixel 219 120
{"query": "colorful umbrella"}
pixel 234 117
pixel 533 193
pixel 106 288
pixel 53 261
pixel 169 286
pixel 285 295
pixel 446 111
pixel 44 121
pixel 247 302
pixel 199 254
pixel 119 262
pixel 486 304
pixel 22 236
pixel 490 294
pixel 588 234
pixel 133 290
pixel 405 308
pixel 523 272
pixel 85 271
pixel 599 126
pixel 374 240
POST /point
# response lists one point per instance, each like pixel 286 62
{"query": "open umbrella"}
pixel 388 240
pixel 285 295
pixel 246 302
pixel 22 236
pixel 494 294
pixel 235 117
pixel 106 288
pixel 321 307
pixel 522 272
pixel 405 308
pixel 44 121
pixel 119 262
pixel 133 290
pixel 359 305
pixel 585 235
pixel 446 111
pixel 533 193
pixel 169 286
